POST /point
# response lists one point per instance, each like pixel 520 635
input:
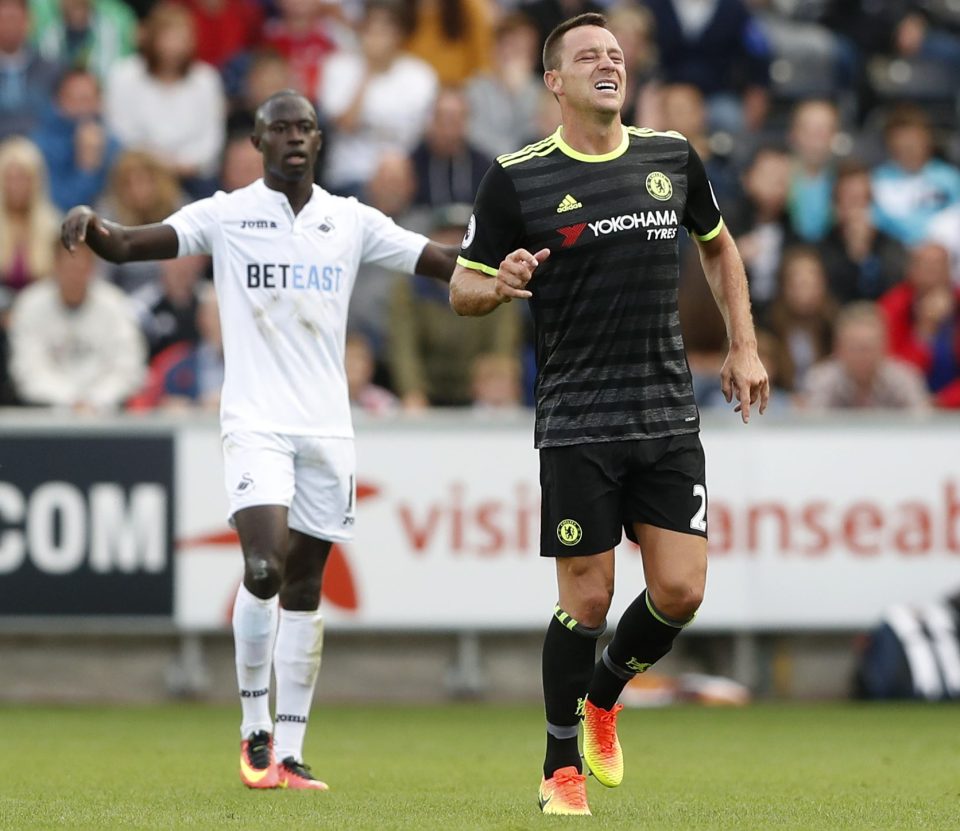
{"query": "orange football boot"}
pixel 601 747
pixel 296 776
pixel 564 793
pixel 258 768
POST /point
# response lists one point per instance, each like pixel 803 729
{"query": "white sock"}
pixel 296 662
pixel 254 633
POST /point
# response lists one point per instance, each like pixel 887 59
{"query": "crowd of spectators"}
pixel 829 129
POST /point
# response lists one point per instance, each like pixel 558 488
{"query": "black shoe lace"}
pixel 298 768
pixel 259 750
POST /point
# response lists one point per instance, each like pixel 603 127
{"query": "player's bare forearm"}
pixel 742 375
pixel 438 261
pixel 117 243
pixel 727 278
pixel 473 294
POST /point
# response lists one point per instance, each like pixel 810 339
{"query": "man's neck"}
pixel 593 137
pixel 447 151
pixel 298 193
pixel 73 300
pixel 812 168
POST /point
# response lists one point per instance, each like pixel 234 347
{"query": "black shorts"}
pixel 589 492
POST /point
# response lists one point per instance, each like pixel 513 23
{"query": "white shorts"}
pixel 314 478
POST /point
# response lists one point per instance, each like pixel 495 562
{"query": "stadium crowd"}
pixel 828 129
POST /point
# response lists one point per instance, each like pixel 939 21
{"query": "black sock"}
pixel 569 653
pixel 643 637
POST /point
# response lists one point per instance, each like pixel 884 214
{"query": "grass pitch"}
pixel 461 767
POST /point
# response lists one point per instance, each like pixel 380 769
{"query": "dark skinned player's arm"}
pixel 118 243
pixel 438 261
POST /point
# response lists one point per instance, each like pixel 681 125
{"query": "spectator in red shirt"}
pixel 225 27
pixel 923 322
pixel 302 36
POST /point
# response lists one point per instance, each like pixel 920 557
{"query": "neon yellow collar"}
pixel 567 150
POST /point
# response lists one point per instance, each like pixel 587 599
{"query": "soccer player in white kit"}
pixel 285 257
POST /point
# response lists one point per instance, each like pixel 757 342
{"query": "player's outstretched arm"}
pixel 473 293
pixel 742 375
pixel 438 261
pixel 117 243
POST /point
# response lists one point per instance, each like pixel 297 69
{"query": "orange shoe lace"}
pixel 568 785
pixel 605 722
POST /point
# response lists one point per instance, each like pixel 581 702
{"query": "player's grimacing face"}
pixel 289 138
pixel 591 73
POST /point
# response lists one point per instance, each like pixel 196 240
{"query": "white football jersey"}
pixel 283 284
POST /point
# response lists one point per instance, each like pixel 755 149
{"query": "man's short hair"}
pixel 551 47
pixel 860 312
pixel 809 103
pixel 852 166
pixel 399 14
pixel 279 95
pixel 772 148
pixel 72 72
pixel 907 115
pixel 849 168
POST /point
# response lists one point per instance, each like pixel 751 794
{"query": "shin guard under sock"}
pixel 643 637
pixel 569 653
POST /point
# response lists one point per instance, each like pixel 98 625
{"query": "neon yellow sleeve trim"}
pixel 709 236
pixel 490 272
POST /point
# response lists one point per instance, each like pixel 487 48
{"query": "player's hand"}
pixel 515 272
pixel 743 377
pixel 76 225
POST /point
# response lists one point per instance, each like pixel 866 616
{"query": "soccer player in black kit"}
pixel 601 204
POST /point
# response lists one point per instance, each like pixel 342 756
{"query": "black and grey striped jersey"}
pixel 610 359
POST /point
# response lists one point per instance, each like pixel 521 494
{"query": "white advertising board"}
pixel 811 527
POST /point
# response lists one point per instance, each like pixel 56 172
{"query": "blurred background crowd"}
pixel 828 129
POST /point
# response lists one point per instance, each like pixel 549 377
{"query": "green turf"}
pixel 466 767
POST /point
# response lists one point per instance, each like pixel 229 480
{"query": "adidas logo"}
pixel 568 203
